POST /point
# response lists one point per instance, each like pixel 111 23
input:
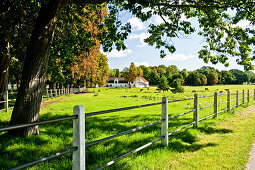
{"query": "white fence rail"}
pixel 79 145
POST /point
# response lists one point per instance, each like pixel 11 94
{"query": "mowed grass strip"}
pixel 221 143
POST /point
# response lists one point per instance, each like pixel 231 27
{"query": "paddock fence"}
pixel 79 146
pixel 47 94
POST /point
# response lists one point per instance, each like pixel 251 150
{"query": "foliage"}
pixel 163 84
pixel 177 85
pixel 75 53
pixel 212 78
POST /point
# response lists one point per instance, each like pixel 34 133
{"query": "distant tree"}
pixel 146 72
pixel 118 73
pixel 163 84
pixel 253 79
pixel 197 82
pixel 178 76
pixel 193 79
pixel 139 71
pixel 184 74
pixel 130 73
pixel 115 73
pixel 227 77
pixel 212 78
pixel 241 77
pixel 176 84
pixel 154 77
pixel 203 79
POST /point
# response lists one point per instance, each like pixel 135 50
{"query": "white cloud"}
pixel 136 23
pixel 178 57
pixel 141 38
pixel 118 54
pixel 142 63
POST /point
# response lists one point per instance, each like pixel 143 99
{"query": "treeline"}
pixel 204 76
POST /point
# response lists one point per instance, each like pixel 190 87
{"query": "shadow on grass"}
pixel 53 138
pixel 211 130
pixel 56 137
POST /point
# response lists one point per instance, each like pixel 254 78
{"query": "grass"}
pixel 222 143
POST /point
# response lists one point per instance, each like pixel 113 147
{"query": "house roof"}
pixel 120 79
pixel 143 79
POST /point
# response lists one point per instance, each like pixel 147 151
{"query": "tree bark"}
pixel 4 67
pixel 29 98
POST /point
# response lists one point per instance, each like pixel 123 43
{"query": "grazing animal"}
pixel 141 90
pixel 206 89
pixel 194 91
pixel 159 90
pixel 221 91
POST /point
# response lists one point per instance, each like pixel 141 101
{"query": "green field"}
pixel 221 143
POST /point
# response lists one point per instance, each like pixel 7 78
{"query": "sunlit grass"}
pixel 221 143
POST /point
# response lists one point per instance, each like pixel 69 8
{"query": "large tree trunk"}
pixel 28 101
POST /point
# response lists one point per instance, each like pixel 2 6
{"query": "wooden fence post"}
pixel 228 103
pixel 78 162
pixel 56 93
pixel 7 101
pixel 248 95
pixel 237 98
pixel 59 92
pixel 164 124
pixel 47 93
pixel 215 105
pixel 51 93
pixel 243 96
pixel 62 91
pixel 196 109
pixel 254 95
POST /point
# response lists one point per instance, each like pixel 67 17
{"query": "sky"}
pixel 185 57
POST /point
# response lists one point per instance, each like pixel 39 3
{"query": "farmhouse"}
pixel 122 82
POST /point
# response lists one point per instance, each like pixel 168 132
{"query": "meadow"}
pixel 221 143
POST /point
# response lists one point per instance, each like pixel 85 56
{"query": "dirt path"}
pixel 251 162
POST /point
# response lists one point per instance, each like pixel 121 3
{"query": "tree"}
pixel 178 76
pixel 15 32
pixel 131 73
pixel 212 17
pixel 227 77
pixel 212 78
pixel 176 84
pixel 163 84
pixel 203 79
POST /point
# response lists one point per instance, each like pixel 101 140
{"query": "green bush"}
pixel 176 84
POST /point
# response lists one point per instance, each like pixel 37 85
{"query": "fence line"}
pixel 79 116
pixel 49 93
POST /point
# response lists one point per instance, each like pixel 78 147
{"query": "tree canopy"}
pixel 218 21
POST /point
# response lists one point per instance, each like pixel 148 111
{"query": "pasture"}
pixel 221 143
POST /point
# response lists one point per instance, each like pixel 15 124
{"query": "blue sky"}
pixel 185 57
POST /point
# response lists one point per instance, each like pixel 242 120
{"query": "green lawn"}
pixel 221 143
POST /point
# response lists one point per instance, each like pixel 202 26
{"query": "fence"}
pixel 49 93
pixel 79 115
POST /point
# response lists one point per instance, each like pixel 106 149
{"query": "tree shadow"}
pixel 96 127
pixel 211 130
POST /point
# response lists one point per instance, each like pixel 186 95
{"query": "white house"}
pixel 122 82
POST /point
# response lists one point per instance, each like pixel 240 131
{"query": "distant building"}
pixel 122 82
